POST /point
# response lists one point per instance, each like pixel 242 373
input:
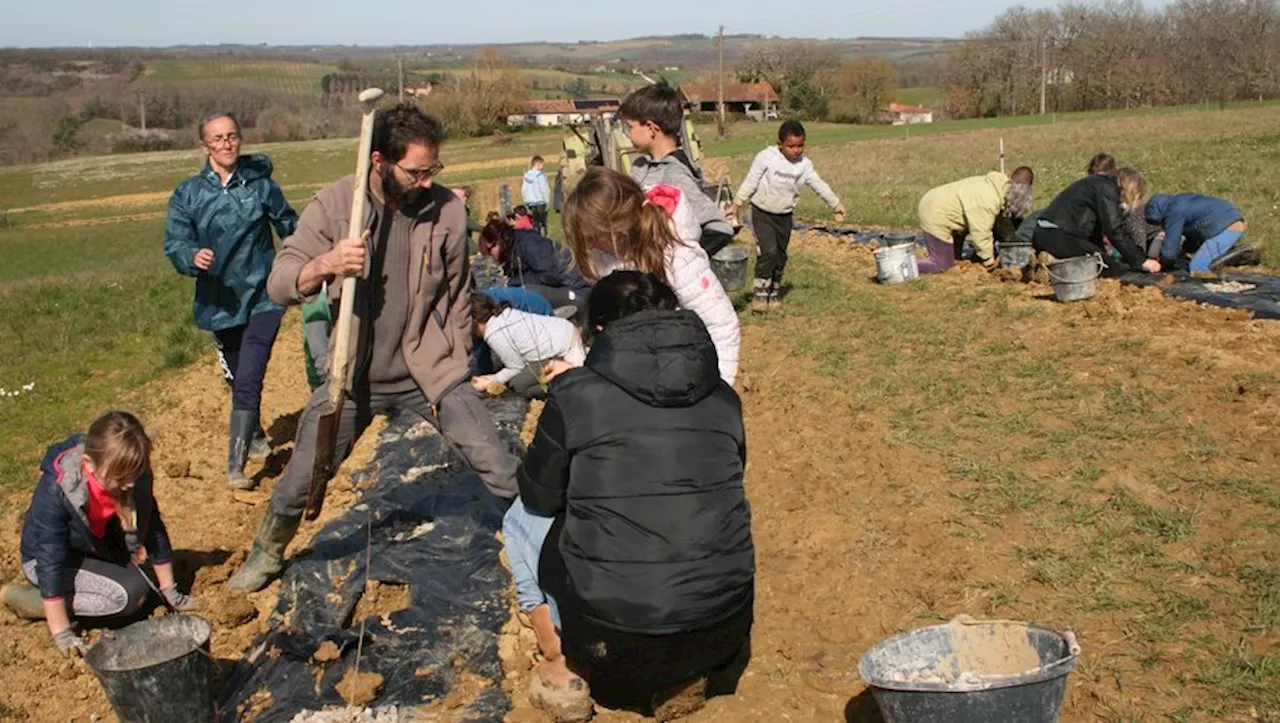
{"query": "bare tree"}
pixel 866 87
pixel 479 99
pixel 1118 54
pixel 803 74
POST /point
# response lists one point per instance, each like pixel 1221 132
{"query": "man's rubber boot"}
pixel 240 438
pixel 260 447
pixel 266 559
pixel 760 295
pixel 24 600
pixel 1239 255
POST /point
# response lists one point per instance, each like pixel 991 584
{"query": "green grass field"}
pixel 292 78
pixel 933 98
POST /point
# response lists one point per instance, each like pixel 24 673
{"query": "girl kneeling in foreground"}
pixel 635 480
pixel 92 521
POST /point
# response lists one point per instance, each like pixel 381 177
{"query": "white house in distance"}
pixel 561 112
pixel 901 115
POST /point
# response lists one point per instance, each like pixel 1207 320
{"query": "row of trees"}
pixel 1118 54
pixel 814 82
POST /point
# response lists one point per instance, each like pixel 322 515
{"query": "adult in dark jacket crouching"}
pixel 639 458
pixel 1090 213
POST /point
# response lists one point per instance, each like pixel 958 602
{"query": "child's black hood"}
pixel 662 358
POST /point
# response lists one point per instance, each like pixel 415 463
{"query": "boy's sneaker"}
pixel 775 299
pixel 761 293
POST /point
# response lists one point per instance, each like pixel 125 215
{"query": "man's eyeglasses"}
pixel 232 138
pixel 421 174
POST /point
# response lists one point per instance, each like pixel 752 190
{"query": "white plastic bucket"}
pixel 896 264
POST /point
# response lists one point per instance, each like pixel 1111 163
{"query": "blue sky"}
pixel 412 22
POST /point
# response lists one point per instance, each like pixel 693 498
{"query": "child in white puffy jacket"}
pixel 611 224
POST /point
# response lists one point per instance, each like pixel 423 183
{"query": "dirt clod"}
pixel 359 688
pixel 327 652
pixel 177 468
pixel 258 703
pixel 232 611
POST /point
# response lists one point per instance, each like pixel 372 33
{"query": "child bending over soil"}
pixel 523 343
pixel 92 522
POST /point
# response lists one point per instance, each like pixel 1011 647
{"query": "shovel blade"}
pixel 322 466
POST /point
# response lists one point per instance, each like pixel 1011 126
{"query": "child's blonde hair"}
pixel 607 212
pixel 1133 187
pixel 119 448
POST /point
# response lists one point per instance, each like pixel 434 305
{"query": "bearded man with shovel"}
pixel 397 243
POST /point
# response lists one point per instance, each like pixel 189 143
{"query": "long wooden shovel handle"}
pixel 340 362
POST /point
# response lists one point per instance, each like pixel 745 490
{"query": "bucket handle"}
pixel 1097 259
pixel 1073 652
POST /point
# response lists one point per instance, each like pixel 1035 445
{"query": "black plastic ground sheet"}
pixel 1256 293
pixel 432 526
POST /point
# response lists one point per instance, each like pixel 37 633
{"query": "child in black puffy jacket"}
pixel 636 476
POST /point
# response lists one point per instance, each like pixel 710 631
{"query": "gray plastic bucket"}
pixel 1014 255
pixel 1075 279
pixel 730 266
pixel 157 670
pixel 916 676
pixel 896 264
pixel 889 239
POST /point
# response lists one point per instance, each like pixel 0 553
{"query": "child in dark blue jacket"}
pixel 536 263
pixel 93 519
pixel 1211 226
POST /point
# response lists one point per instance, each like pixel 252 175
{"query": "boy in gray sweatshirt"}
pixel 653 116
pixel 772 187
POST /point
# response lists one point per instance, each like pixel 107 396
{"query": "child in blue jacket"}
pixel 1211 226
pixel 92 521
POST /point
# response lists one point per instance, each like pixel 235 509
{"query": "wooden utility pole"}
pixel 720 119
pixel 1044 71
pixel 400 68
pixel 142 109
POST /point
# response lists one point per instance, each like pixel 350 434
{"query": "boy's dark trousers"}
pixel 773 236
pixel 538 211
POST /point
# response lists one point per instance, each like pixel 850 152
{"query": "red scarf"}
pixel 101 507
